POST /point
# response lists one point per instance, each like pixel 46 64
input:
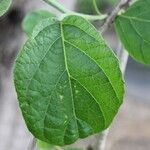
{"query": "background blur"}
pixel 130 129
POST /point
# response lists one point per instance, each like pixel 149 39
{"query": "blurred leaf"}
pixel 133 28
pixel 4 6
pixel 112 2
pixel 33 18
pixel 86 6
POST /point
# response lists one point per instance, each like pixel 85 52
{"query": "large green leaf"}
pixel 68 82
pixel 133 28
pixel 4 5
pixel 33 18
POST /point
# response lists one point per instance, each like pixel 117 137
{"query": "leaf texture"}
pixel 133 28
pixel 68 82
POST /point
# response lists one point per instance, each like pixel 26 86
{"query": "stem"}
pixel 123 57
pixel 114 13
pixel 95 7
pixel 88 17
pixel 57 5
pixel 67 12
pixel 101 142
pixel 32 144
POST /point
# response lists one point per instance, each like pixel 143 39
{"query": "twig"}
pixel 67 12
pixel 101 140
pixel 32 144
pixel 123 57
pixel 113 15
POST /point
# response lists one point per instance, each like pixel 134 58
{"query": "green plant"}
pixel 93 6
pixel 68 81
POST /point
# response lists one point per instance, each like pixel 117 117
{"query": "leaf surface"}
pixel 68 82
pixel 34 18
pixel 133 28
pixel 4 5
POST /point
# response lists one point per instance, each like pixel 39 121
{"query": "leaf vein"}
pixel 97 65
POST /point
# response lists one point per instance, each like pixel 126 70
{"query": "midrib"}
pixel 66 65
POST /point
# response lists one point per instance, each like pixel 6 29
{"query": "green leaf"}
pixel 4 5
pixel 68 82
pixel 133 28
pixel 33 18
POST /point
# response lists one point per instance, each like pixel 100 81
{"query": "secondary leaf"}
pixel 41 25
pixel 133 28
pixel 68 82
pixel 33 18
pixel 86 6
pixel 4 5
